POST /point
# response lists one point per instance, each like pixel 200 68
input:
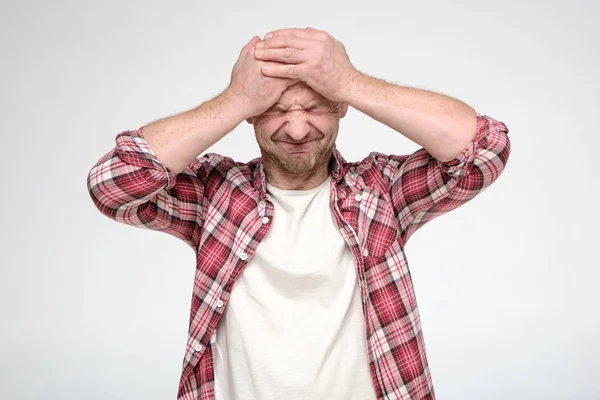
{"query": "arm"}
pixel 179 139
pixel 132 185
pixel 422 187
pixel 442 125
pixel 463 152
pixel 152 178
pixel 140 182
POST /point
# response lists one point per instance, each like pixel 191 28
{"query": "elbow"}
pixel 453 148
pixel 504 148
pixel 94 188
pixel 492 161
pixel 458 138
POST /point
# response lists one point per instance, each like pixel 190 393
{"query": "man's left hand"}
pixel 310 55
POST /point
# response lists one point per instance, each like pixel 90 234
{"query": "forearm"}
pixel 442 125
pixel 177 140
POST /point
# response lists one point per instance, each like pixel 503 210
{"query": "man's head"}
pixel 297 134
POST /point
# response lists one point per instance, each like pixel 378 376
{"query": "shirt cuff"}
pixel 133 149
pixel 462 163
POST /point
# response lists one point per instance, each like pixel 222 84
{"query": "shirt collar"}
pixel 337 167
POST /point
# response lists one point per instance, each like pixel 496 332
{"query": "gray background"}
pixel 507 284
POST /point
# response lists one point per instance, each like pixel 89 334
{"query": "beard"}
pixel 301 163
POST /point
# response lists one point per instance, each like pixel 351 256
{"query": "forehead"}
pixel 299 93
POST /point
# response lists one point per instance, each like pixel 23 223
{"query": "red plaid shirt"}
pixel 218 207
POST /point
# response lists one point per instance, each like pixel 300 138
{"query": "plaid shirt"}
pixel 219 207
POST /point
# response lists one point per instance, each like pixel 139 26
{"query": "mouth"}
pixel 298 148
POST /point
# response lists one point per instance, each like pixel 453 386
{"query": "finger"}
pixel 277 70
pixel 255 39
pixel 286 41
pixel 289 81
pixel 303 33
pixel 287 55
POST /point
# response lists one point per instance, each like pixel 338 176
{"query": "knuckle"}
pixel 287 53
pixel 322 36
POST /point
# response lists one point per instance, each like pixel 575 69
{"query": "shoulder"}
pixel 213 165
pixel 377 162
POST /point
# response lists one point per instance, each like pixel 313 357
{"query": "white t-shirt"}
pixel 294 327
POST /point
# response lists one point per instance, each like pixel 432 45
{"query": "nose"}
pixel 297 126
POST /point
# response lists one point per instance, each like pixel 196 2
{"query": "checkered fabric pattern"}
pixel 219 207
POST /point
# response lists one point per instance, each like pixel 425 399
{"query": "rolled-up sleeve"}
pixel 422 188
pixel 130 185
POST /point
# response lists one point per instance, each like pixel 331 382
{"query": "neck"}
pixel 288 181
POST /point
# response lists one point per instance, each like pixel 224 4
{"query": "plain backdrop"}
pixel 507 285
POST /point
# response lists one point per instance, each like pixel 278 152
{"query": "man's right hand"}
pixel 256 91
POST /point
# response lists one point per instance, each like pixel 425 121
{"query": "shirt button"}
pixel 244 256
pixel 366 253
pixel 219 303
pixel 197 347
pixel 358 197
pixel 265 220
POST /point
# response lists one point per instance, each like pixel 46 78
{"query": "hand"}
pixel 309 55
pixel 256 91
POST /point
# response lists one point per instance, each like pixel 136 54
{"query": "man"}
pixel 302 289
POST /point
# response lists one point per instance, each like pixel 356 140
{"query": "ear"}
pixel 343 110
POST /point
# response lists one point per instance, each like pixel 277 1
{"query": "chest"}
pixel 238 222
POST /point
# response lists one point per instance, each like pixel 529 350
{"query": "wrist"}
pixel 351 87
pixel 364 91
pixel 232 104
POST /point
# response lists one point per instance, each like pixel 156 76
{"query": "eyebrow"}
pixel 315 102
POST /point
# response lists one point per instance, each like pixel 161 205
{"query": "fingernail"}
pixel 259 45
pixel 268 36
pixel 259 52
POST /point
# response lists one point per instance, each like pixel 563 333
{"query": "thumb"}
pixel 255 39
pixel 290 81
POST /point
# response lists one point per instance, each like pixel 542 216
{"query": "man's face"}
pixel 297 134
